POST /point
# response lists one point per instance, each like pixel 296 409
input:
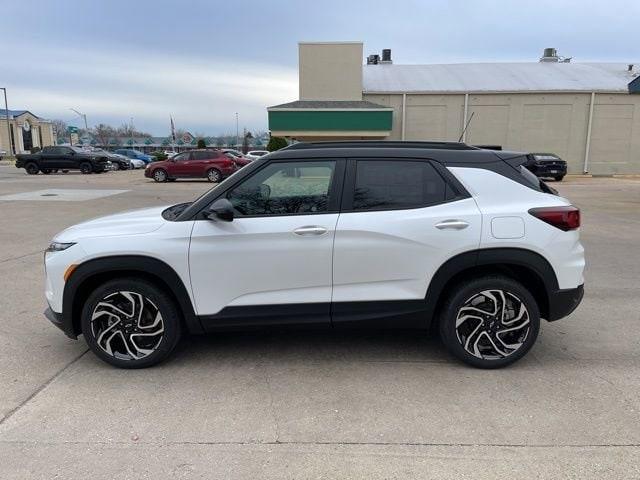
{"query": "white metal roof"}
pixel 498 77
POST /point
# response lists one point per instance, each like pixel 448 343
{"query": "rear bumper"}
pixel 542 170
pixel 59 321
pixel 564 302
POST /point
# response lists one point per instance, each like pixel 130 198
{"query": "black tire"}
pixel 160 175
pixel 65 171
pixel 482 334
pixel 32 168
pixel 154 301
pixel 171 179
pixel 46 171
pixel 214 175
pixel 116 166
pixel 86 168
pixel 559 178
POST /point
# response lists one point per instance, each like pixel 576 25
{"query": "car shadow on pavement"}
pixel 318 345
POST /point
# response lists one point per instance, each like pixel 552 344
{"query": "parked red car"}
pixel 213 165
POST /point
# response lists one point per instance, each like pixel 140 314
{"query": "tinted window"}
pixel 388 185
pixel 285 188
pixel 203 155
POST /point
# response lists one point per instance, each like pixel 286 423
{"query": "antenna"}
pixel 466 126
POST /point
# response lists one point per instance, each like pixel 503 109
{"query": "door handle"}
pixel 452 225
pixel 310 230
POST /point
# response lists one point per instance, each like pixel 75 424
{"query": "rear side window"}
pixel 396 185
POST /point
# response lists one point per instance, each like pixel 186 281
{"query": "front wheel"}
pixel 558 178
pixel 130 323
pixel 490 322
pixel 32 168
pixel 86 168
pixel 160 175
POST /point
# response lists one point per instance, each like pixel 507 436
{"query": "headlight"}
pixel 58 247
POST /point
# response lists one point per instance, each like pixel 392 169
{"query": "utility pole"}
pixel 83 116
pixel 6 111
pixel 237 132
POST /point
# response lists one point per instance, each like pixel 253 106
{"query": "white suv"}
pixel 395 234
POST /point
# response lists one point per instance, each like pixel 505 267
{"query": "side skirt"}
pixel 375 314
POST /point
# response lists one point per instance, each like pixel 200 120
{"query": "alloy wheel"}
pixel 492 324
pixel 127 325
pixel 213 175
pixel 159 176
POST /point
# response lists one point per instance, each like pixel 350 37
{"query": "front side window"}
pixel 396 185
pixel 285 188
pixel 181 157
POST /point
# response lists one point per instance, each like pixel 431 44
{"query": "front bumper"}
pixel 58 320
pixel 564 302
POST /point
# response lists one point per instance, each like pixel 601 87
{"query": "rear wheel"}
pixel 32 168
pixel 214 175
pixel 116 166
pixel 46 171
pixel 490 322
pixel 85 167
pixel 160 175
pixel 130 323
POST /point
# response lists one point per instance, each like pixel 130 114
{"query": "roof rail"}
pixel 381 144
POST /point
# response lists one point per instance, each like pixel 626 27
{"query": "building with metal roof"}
pixel 587 113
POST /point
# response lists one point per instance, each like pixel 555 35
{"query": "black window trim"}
pixel 334 194
pixel 448 178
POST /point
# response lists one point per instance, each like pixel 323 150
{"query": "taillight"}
pixel 565 218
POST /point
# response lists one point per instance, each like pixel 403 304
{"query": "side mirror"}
pixel 221 209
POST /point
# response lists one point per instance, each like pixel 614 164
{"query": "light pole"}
pixel 86 127
pixel 237 131
pixel 6 111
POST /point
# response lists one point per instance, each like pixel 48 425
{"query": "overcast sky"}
pixel 202 61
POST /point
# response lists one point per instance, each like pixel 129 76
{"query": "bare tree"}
pixel 60 127
pixel 103 133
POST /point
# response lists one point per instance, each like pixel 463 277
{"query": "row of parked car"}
pixel 212 164
pixel 207 163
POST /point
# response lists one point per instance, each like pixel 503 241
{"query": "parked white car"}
pixel 255 154
pixel 341 234
pixel 136 163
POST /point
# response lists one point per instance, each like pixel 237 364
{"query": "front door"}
pixel 273 262
pixel 180 165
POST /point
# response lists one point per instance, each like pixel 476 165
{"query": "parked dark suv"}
pixel 547 165
pixel 51 159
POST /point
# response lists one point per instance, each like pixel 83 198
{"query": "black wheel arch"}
pixel 88 275
pixel 526 266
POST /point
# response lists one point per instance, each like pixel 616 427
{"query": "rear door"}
pixel 401 219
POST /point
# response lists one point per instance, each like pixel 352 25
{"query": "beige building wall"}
pixel 39 129
pixel 330 71
pixel 546 122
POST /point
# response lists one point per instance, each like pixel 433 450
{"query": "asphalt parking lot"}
pixel 317 404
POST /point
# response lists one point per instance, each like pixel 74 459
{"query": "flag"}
pixel 173 130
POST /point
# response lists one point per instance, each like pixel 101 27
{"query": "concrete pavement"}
pixel 318 404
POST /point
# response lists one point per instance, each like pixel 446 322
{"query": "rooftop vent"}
pixel 550 55
pixel 376 59
pixel 373 59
